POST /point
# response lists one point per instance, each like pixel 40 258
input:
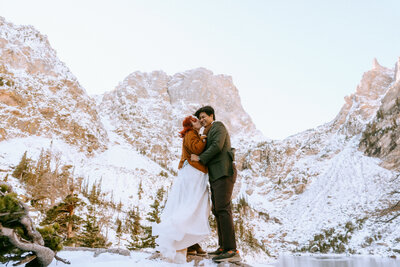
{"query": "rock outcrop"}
pixel 381 137
pixel 147 109
pixel 39 95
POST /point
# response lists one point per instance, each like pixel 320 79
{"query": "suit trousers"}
pixel 221 194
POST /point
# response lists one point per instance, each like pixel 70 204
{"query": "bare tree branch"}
pixel 8 213
pixel 62 260
pixel 27 259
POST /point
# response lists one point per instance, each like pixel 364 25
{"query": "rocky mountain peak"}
pixel 152 106
pixel 198 87
pixel 375 64
pixel 361 107
pixel 39 95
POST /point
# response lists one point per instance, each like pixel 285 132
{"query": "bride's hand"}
pixel 194 157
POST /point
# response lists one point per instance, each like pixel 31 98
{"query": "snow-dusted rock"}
pixel 40 96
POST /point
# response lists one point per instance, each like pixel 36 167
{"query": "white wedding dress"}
pixel 184 220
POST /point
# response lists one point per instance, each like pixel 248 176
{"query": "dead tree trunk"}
pixel 44 255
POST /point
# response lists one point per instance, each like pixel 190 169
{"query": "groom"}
pixel 218 156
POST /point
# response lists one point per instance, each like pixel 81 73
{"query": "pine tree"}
pixel 153 217
pixel 134 228
pixel 119 230
pixel 12 214
pixel 95 195
pixel 140 190
pixel 64 215
pixel 23 170
pixel 91 235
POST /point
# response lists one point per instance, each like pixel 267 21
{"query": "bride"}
pixel 184 220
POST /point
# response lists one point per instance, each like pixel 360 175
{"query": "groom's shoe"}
pixel 228 256
pixel 219 251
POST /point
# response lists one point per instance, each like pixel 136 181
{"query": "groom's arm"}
pixel 216 139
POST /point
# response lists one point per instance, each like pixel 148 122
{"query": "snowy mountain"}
pixel 318 179
pixel 39 96
pixel 339 175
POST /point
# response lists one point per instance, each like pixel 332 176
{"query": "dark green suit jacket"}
pixel 218 154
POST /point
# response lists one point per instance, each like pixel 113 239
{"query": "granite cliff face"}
pixel 199 87
pixel 147 109
pixel 381 137
pixel 277 158
pixel 40 96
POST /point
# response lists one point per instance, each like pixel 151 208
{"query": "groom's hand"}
pixel 194 157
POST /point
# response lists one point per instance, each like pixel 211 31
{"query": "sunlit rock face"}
pixel 381 137
pixel 277 159
pixel 192 89
pixel 361 107
pixel 40 96
pixel 147 109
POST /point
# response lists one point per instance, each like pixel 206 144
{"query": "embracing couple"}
pixel 206 157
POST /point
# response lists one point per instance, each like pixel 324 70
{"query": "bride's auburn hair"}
pixel 187 125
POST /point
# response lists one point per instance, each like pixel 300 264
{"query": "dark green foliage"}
pixel 24 168
pixel 10 209
pixel 379 114
pixel 64 216
pixel 141 236
pixel 148 241
pixel 95 195
pixel 119 229
pixel 140 190
pixel 164 174
pixel 51 239
pixel 333 240
pixel 11 212
pixel 154 214
pixel 3 82
pixel 134 228
pixel 91 236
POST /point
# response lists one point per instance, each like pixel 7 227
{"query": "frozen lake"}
pixel 336 261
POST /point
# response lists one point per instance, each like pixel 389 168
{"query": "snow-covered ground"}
pixel 87 259
pixel 139 259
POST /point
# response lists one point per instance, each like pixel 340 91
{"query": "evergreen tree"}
pixel 21 168
pixel 119 230
pixel 134 228
pixel 12 213
pixel 64 215
pixel 24 169
pixel 95 196
pixel 140 190
pixel 91 235
pixel 153 217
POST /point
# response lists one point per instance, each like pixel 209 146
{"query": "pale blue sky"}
pixel 292 61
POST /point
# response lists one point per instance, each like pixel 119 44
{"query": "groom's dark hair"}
pixel 206 109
